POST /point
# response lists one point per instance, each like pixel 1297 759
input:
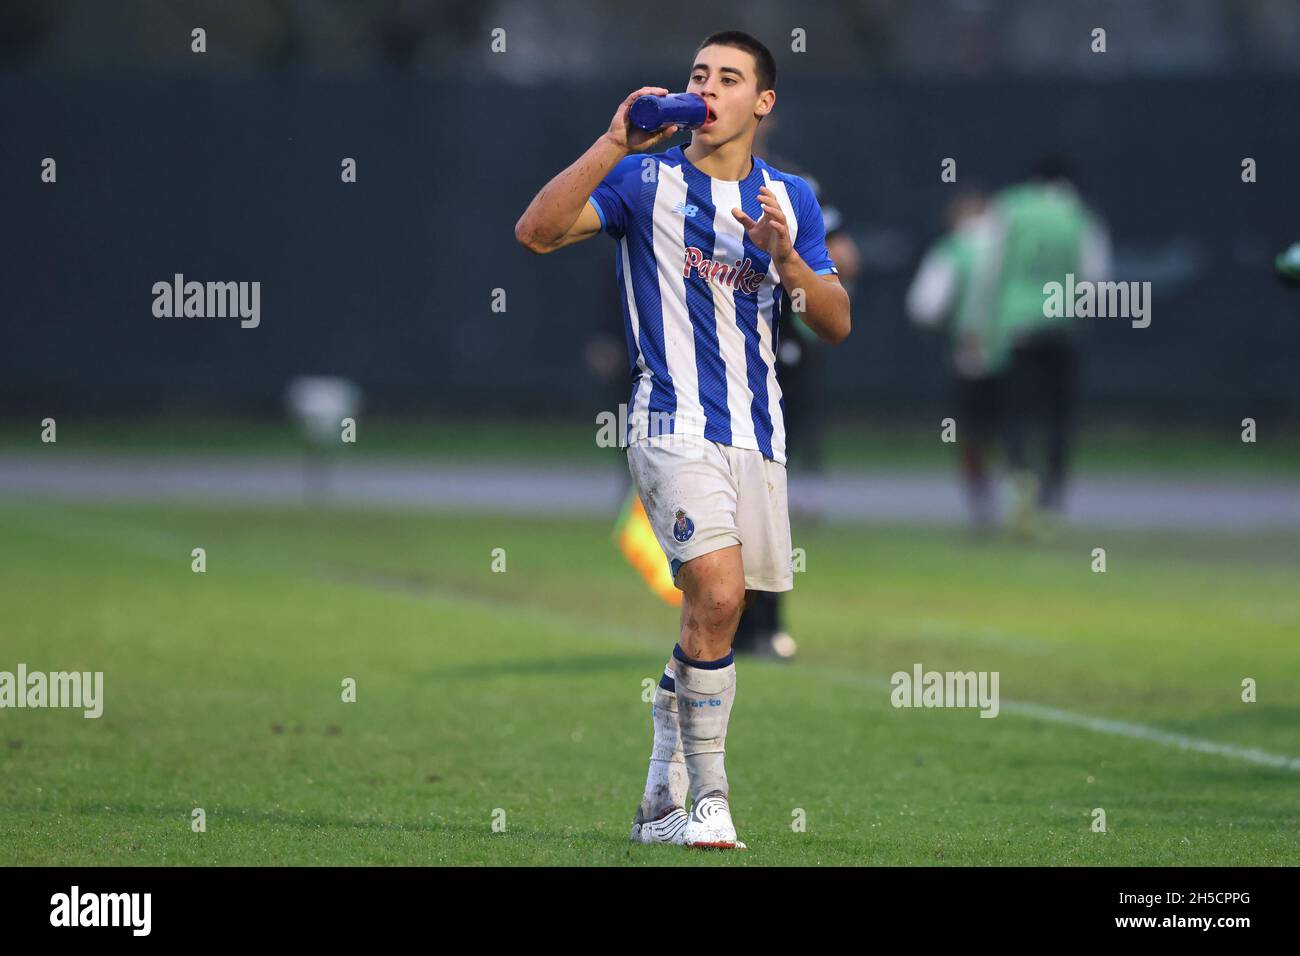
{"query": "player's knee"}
pixel 719 607
pixel 714 591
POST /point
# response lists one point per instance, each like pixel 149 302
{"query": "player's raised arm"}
pixel 560 215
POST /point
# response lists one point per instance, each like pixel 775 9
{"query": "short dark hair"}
pixel 764 62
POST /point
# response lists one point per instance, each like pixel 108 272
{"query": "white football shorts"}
pixel 701 496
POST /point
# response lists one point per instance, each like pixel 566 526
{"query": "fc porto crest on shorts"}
pixel 684 527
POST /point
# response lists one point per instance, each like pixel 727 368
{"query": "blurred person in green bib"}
pixel 1042 232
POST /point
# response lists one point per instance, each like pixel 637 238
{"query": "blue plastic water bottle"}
pixel 651 113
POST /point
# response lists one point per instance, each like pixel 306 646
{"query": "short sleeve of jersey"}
pixel 810 243
pixel 615 196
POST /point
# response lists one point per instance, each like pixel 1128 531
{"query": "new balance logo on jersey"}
pixel 738 275
pixel 686 209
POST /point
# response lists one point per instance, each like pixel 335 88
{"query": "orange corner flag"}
pixel 636 539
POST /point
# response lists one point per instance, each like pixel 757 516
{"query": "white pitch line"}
pixel 1124 728
pixel 1101 725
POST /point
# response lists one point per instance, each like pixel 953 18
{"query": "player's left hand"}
pixel 770 233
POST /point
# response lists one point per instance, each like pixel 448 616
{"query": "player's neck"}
pixel 730 162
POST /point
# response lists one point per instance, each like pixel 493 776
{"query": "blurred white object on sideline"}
pixel 319 403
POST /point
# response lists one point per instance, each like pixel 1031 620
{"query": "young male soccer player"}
pixel 708 237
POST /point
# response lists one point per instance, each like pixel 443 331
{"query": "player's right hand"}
pixel 631 138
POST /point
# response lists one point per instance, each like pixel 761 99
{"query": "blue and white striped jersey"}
pixel 701 303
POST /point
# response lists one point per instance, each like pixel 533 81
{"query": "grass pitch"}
pixel 517 696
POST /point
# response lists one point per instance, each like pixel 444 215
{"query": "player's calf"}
pixel 713 587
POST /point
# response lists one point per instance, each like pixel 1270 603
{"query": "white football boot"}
pixel 667 829
pixel 710 825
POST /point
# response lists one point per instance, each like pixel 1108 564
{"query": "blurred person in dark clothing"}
pixel 947 292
